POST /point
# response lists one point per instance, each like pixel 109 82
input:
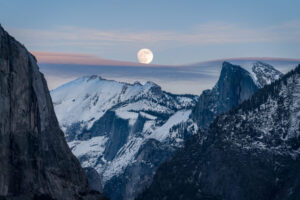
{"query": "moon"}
pixel 145 56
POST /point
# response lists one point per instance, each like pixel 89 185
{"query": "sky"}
pixel 178 32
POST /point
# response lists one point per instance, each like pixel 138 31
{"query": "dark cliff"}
pixel 36 162
pixel 235 85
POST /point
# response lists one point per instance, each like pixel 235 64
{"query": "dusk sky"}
pixel 178 32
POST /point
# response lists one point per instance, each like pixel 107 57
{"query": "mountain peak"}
pixel 235 85
pixel 137 83
pixel 229 70
pixel 264 73
pixel 92 77
pixel 150 83
pixel 230 65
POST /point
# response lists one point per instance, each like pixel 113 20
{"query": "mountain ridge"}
pixel 250 152
pixel 148 121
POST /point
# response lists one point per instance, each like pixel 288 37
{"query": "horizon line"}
pixel 45 57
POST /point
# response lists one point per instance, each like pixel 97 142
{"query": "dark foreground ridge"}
pixel 250 153
pixel 36 162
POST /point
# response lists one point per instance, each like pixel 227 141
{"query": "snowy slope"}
pixel 107 123
pixel 92 96
pixel 264 74
pixel 161 133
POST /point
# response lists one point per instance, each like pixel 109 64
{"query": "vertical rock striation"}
pixel 234 86
pixel 36 162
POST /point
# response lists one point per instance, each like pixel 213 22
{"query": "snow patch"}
pixel 161 133
pixel 131 116
pixel 92 147
pixel 124 157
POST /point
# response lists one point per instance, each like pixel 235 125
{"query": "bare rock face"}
pixel 234 86
pixel 36 162
pixel 94 178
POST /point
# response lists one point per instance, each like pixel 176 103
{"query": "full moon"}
pixel 145 56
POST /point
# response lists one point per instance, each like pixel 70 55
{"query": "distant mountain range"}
pixel 185 79
pixel 125 131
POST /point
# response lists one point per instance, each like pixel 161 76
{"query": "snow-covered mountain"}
pixel 92 97
pixel 109 125
pixel 125 131
pixel 264 73
pixel 251 152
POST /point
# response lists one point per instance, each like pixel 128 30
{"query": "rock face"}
pixel 36 162
pixel 233 87
pixel 250 153
pixel 94 178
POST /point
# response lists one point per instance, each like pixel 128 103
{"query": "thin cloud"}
pixel 83 59
pixel 206 34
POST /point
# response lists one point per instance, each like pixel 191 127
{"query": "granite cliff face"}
pixel 233 87
pixel 249 153
pixel 94 178
pixel 36 162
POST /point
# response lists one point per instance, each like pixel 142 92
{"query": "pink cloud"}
pixel 81 59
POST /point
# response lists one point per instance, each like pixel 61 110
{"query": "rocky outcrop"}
pixel 250 153
pixel 36 162
pixel 139 174
pixel 94 179
pixel 235 85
